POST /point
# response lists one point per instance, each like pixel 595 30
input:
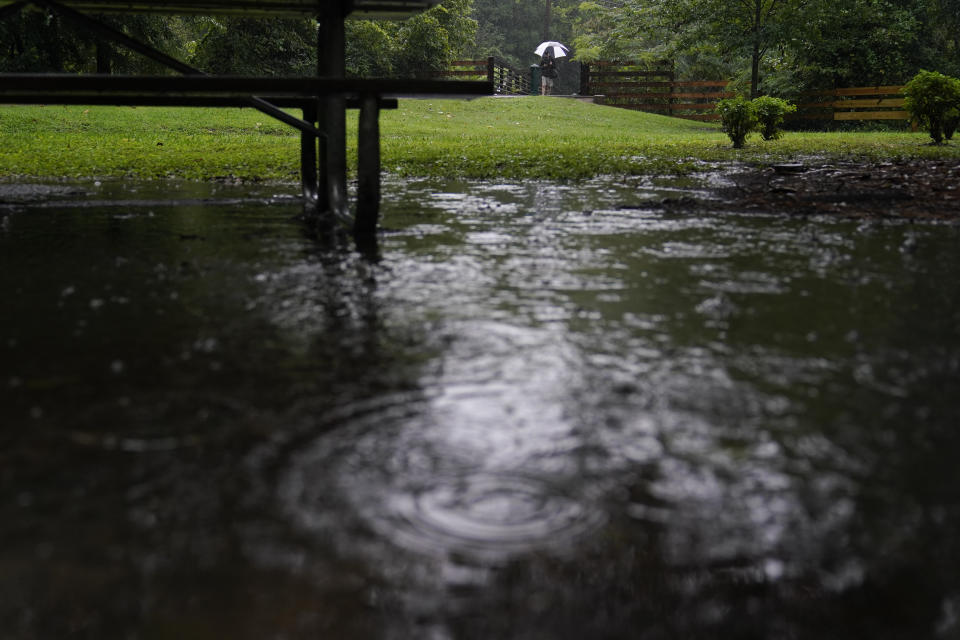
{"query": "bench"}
pixel 323 99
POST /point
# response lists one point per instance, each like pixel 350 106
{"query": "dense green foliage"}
pixel 777 47
pixel 421 46
pixel 369 49
pixel 770 113
pixel 35 40
pixel 486 138
pixel 738 117
pixel 932 99
pixel 257 46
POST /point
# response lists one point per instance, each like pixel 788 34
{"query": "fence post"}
pixel 585 79
pixel 671 100
pixel 490 64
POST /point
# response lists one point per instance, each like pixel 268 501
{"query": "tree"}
pixel 369 49
pixel 610 32
pixel 943 18
pixel 711 37
pixel 781 46
pixel 420 46
pixel 860 42
pixel 258 46
pixel 456 19
pixel 749 28
pixel 423 47
pixel 42 41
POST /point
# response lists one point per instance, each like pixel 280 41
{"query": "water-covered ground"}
pixel 542 411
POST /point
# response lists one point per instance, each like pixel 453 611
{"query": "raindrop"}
pixel 773 569
pixel 486 513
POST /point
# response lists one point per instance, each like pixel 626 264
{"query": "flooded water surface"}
pixel 540 411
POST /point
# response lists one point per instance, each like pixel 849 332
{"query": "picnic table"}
pixel 322 99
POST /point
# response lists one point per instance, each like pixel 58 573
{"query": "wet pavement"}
pixel 540 411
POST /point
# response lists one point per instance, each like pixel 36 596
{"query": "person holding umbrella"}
pixel 549 52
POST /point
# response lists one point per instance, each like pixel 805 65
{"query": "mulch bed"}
pixel 918 189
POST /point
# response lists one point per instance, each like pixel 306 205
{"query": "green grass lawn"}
pixel 489 137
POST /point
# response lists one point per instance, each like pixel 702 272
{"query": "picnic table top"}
pixel 261 8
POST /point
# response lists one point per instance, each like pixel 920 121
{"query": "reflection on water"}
pixel 546 411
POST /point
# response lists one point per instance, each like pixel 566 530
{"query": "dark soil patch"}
pixel 910 189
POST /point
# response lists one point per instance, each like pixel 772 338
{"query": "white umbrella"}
pixel 559 50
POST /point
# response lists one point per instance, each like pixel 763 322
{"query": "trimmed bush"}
pixel 739 117
pixel 930 97
pixel 770 113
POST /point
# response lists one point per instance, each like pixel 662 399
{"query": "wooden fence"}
pixel 630 86
pixel 505 79
pixel 855 103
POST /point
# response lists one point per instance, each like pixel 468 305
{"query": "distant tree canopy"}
pixel 41 41
pixel 511 30
pixel 777 45
pixel 766 46
pixel 257 46
pixel 420 46
pixel 35 40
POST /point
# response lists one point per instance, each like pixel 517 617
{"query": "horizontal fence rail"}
pixel 854 103
pixel 506 80
pixel 630 85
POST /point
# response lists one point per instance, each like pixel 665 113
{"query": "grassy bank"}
pixel 503 137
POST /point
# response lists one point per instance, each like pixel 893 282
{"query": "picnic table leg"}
pixel 308 157
pixel 333 121
pixel 368 169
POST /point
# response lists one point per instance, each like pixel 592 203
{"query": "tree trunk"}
pixel 546 20
pixel 755 59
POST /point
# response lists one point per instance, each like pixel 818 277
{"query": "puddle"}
pixel 546 410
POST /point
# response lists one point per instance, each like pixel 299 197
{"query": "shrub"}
pixel 930 96
pixel 770 113
pixel 739 117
